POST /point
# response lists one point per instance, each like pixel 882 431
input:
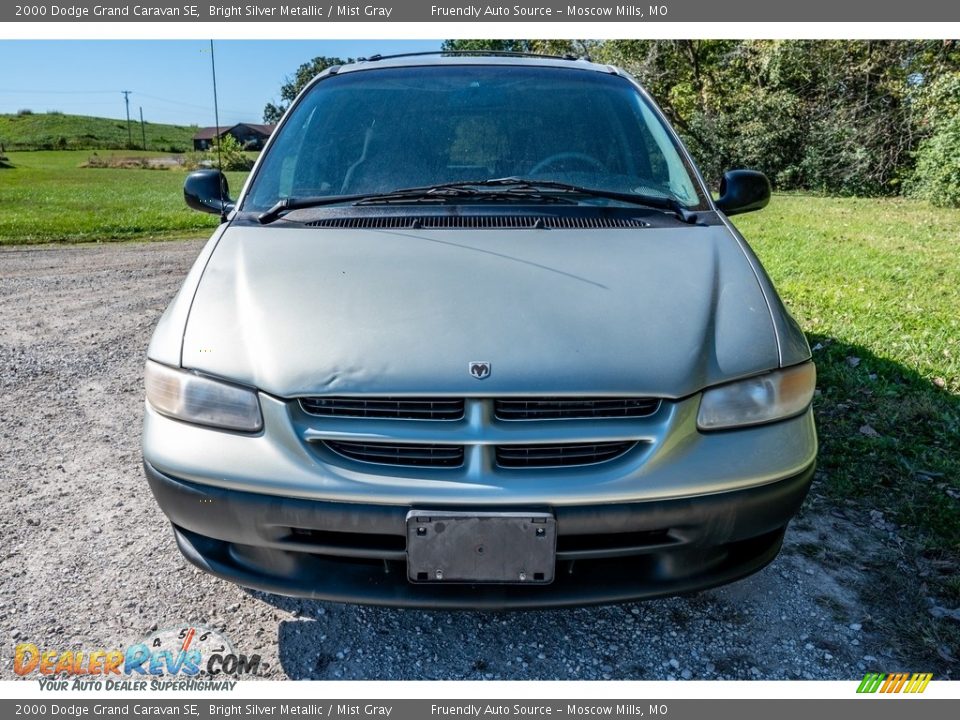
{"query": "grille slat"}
pixel 568 454
pixel 508 456
pixel 573 408
pixel 410 455
pixel 479 222
pixel 400 408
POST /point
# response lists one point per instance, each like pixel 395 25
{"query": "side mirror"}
pixel 203 190
pixel 743 191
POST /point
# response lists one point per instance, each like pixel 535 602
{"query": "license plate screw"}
pixel 541 532
pixel 421 531
pixel 439 574
pixel 523 575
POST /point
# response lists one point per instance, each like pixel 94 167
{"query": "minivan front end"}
pixel 571 383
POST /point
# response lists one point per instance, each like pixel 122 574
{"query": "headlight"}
pixel 765 398
pixel 197 399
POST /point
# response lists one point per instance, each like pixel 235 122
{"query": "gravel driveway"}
pixel 88 560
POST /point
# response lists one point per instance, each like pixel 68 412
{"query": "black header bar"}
pixel 536 11
pixel 226 707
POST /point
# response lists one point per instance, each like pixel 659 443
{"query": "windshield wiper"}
pixel 657 202
pixel 448 191
pixel 293 203
pixel 511 188
pixel 428 193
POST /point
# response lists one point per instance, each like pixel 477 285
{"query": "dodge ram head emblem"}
pixel 479 370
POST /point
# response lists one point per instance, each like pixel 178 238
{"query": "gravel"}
pixel 89 561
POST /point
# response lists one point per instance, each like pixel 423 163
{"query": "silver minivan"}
pixel 475 334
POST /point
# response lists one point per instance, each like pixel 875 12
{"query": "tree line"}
pixel 842 117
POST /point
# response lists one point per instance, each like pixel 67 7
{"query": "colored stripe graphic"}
pixel 894 682
pixel 898 683
pixel 871 682
pixel 918 683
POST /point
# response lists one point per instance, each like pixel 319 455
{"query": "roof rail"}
pixel 474 53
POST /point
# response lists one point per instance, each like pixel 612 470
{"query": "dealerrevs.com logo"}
pixel 185 657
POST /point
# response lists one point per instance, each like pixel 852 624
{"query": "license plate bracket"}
pixel 449 547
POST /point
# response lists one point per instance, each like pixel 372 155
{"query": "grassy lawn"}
pixel 47 197
pixel 876 286
pixel 874 283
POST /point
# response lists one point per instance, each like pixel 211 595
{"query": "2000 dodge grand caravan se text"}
pixel 475 334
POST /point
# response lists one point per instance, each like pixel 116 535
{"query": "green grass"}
pixel 57 131
pixel 875 283
pixel 46 197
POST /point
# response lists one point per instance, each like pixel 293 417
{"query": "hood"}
pixel 658 311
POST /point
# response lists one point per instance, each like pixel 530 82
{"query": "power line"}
pixel 169 101
pixel 34 91
pixel 191 105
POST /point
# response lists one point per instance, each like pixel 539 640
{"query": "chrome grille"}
pixel 385 407
pixel 466 435
pixel 573 408
pixel 408 455
pixel 559 455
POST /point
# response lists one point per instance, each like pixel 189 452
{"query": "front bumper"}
pixel 355 552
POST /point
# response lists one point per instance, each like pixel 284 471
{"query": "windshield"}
pixel 378 131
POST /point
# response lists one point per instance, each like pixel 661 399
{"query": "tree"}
pixel 292 87
pixel 543 47
pixel 229 153
pixel 685 78
pixel 836 116
pixel 937 174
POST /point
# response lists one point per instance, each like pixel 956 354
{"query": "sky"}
pixel 169 79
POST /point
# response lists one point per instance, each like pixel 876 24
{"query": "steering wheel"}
pixel 557 157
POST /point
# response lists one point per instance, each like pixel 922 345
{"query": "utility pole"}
pixel 216 107
pixel 126 99
pixel 143 129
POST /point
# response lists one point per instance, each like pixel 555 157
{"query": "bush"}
pixel 231 155
pixel 760 133
pixel 24 111
pixel 937 174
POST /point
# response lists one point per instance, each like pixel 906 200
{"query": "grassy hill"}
pixel 57 131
